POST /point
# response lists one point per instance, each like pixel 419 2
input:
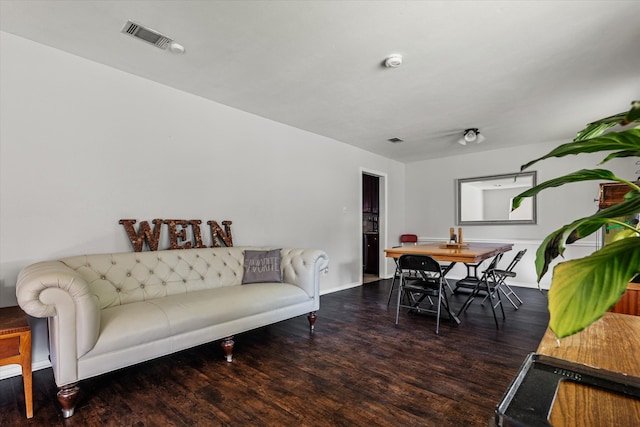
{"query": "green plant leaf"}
pixel 585 226
pixel 547 252
pixel 598 128
pixel 625 234
pixel 554 244
pixel 633 115
pixel 581 175
pixel 582 290
pixel 626 153
pixel 627 140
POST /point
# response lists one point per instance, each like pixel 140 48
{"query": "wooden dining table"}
pixel 474 253
pixel 471 254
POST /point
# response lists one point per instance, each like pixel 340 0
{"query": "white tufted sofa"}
pixel 108 311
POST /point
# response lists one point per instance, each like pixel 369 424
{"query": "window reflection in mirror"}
pixel 487 199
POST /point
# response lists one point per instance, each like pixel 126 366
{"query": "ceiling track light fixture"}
pixel 153 37
pixel 471 135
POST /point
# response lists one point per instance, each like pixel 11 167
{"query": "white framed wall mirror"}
pixel 486 200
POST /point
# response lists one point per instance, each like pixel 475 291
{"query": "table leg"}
pixel 446 269
pixel 25 352
pixel 471 280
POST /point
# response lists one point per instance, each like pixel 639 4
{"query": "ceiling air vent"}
pixel 395 140
pixel 146 34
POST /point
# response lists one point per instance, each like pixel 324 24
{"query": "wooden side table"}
pixel 15 348
pixel 611 343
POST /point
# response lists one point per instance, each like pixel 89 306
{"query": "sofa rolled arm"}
pixel 303 267
pixel 53 290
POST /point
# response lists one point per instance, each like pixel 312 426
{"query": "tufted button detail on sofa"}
pixel 150 271
pixel 184 280
pixel 138 261
pixel 113 263
pixel 141 286
pixel 118 289
pixel 102 278
pixel 164 283
pixel 129 274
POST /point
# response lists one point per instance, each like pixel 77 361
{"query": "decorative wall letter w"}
pixel 144 233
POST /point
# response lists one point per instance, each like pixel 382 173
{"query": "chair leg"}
pixel 496 289
pixel 487 296
pixel 396 275
pixel 470 298
pixel 448 286
pixel 501 306
pixel 493 308
pixel 508 294
pixel 393 285
pixel 399 297
pixel 439 308
pixel 512 292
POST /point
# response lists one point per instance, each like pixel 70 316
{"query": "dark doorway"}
pixel 370 229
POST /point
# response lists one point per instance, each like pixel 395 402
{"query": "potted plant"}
pixel 582 290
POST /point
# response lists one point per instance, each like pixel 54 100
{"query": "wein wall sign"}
pixel 179 232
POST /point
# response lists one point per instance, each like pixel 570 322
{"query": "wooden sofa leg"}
pixel 312 320
pixel 227 347
pixel 67 397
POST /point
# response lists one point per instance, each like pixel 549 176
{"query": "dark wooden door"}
pixel 371 253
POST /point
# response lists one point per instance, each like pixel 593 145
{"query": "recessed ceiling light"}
pixel 393 61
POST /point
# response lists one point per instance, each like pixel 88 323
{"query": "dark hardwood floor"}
pixel 358 369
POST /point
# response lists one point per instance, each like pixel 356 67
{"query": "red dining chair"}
pixel 408 238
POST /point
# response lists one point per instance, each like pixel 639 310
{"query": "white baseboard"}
pixel 340 288
pixel 15 370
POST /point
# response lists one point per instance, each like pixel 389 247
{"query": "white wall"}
pixel 83 145
pixel 430 209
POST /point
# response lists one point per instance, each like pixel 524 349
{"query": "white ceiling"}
pixel 522 72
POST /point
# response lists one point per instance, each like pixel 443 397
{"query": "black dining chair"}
pixel 484 285
pixel 500 285
pixel 415 293
pixel 404 239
